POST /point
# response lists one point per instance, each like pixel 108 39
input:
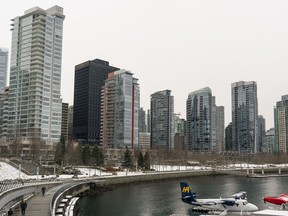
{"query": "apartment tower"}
pixel 35 102
pixel 244 117
pixel 281 125
pixel 120 111
pixel 3 69
pixel 199 120
pixel 162 116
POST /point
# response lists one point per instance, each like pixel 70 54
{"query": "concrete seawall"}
pixel 156 177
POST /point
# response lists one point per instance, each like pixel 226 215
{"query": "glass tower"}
pixel 35 75
pixel 3 69
pixel 281 125
pixel 199 120
pixel 162 116
pixel 120 111
pixel 244 117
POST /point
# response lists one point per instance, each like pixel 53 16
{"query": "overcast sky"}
pixel 181 45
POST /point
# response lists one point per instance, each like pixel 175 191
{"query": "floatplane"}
pixel 236 203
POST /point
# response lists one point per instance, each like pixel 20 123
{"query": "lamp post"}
pixel 19 171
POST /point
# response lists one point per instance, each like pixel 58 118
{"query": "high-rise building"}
pixel 142 120
pixel 162 118
pixel 261 133
pixel 64 122
pixel 89 79
pixel 218 128
pixel 269 143
pixel 4 115
pixel 148 121
pixel 70 121
pixel 228 137
pixel 179 124
pixel 35 102
pixel 244 117
pixel 199 120
pixel 281 125
pixel 3 69
pixel 120 109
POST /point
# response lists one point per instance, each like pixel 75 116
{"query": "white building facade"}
pixel 35 75
pixel 3 69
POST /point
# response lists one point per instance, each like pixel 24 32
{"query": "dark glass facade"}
pixel 89 79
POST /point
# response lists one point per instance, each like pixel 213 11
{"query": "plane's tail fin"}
pixel 186 194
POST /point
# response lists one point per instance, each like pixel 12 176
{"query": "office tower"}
pixel 281 125
pixel 199 120
pixel 148 121
pixel 269 141
pixel 142 120
pixel 64 122
pixel 70 121
pixel 120 108
pixel 228 137
pixel 35 102
pixel 3 69
pixel 4 115
pixel 89 79
pixel 261 132
pixel 162 113
pixel 244 117
pixel 218 128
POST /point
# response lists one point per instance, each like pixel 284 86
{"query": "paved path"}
pixel 38 205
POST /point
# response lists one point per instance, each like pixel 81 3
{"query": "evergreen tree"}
pixel 60 151
pixel 98 156
pixel 86 155
pixel 147 161
pixel 127 160
pixel 140 160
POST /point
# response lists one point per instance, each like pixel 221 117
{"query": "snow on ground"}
pixel 9 172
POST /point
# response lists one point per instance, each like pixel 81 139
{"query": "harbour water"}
pixel 164 198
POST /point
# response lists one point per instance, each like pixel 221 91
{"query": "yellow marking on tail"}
pixel 185 189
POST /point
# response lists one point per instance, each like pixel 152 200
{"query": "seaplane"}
pixel 236 203
pixel 281 200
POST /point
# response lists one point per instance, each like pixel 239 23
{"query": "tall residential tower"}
pixel 120 111
pixel 244 117
pixel 162 119
pixel 35 75
pixel 281 125
pixel 3 69
pixel 199 120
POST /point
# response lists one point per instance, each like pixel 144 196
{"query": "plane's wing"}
pixel 240 195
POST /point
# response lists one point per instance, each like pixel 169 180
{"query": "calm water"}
pixel 164 198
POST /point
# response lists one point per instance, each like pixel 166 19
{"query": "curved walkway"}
pixel 38 205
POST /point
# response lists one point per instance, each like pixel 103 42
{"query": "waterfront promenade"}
pixel 38 205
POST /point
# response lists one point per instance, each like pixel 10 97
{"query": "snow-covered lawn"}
pixel 9 172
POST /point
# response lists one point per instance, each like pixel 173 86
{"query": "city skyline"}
pixel 181 47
